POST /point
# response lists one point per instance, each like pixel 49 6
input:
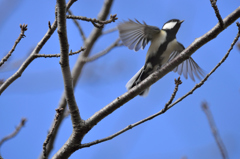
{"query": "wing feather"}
pixel 188 67
pixel 136 35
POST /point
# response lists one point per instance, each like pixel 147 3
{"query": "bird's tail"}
pixel 136 79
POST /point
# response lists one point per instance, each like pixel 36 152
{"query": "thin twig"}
pixel 214 5
pixel 78 26
pixel 58 55
pixel 104 52
pixel 213 70
pixel 36 50
pixel 16 131
pixel 213 127
pixel 23 29
pixel 177 83
pixel 49 25
pixel 109 30
pixel 58 114
pixel 113 18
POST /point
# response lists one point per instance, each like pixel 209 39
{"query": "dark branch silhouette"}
pixel 58 55
pixel 59 113
pixel 95 22
pixel 16 131
pixel 22 35
pixel 214 5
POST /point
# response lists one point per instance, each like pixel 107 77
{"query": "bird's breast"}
pixel 157 42
pixel 171 46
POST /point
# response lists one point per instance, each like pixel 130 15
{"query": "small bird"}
pixel 164 48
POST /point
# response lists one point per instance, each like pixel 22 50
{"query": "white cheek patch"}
pixel 169 25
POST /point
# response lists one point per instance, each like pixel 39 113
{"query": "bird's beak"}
pixel 181 21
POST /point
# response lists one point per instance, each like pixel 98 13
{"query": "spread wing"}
pixel 188 67
pixel 135 35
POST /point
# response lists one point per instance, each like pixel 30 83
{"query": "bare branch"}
pixel 23 29
pixel 76 72
pixel 58 55
pixel 37 49
pixel 214 5
pixel 64 62
pixel 16 131
pixel 78 26
pixel 119 101
pixel 104 52
pixel 177 83
pixel 214 130
pixel 94 21
pixel 49 25
pixel 56 120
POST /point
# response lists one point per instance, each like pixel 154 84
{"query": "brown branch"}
pixel 94 21
pixel 104 52
pixel 177 83
pixel 16 131
pixel 78 26
pixel 58 55
pixel 214 5
pixel 76 72
pixel 22 35
pixel 56 120
pixel 154 77
pixel 214 130
pixel 36 50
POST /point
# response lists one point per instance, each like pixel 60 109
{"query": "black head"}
pixel 172 25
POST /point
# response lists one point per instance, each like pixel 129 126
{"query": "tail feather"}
pixel 135 80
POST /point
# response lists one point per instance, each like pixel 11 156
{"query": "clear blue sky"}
pixel 182 131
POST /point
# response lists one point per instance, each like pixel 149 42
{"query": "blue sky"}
pixel 182 131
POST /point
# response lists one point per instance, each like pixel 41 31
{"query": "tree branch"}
pixel 76 72
pixel 199 42
pixel 214 5
pixel 94 21
pixel 59 113
pixel 177 83
pixel 214 130
pixel 58 55
pixel 16 131
pixel 78 26
pixel 104 52
pixel 37 49
pixel 23 29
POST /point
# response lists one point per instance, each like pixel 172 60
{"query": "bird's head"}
pixel 172 25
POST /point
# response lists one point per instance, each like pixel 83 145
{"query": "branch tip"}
pixel 49 25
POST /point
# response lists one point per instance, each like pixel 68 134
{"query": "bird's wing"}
pixel 136 35
pixel 188 67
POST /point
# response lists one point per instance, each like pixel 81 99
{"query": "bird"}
pixel 164 48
